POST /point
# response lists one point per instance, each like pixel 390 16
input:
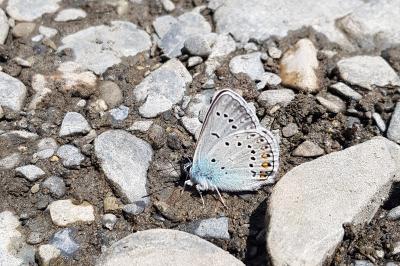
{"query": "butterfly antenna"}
pixel 220 197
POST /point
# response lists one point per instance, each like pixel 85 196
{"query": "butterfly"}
pixel 234 152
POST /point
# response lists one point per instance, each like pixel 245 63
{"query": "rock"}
pixel 393 132
pixel 4 27
pixel 163 88
pixel 274 52
pixel 111 204
pixel 194 61
pixel 47 31
pixel 1 112
pixel 120 113
pixel 223 46
pixel 379 122
pixel 157 136
pixel 55 185
pixel 208 228
pixel 332 103
pixel 141 126
pixel 249 64
pixel 394 214
pixel 100 47
pixel 290 130
pixel 64 241
pixel 23 29
pixel 197 45
pixel 70 155
pixel 164 247
pixel 46 148
pixel 30 172
pixel 316 198
pixel 191 124
pixel 12 92
pixel 20 135
pixel 47 254
pixel 41 88
pixel 168 5
pixel 299 66
pixel 110 93
pixel 109 220
pixel 259 20
pixel 308 149
pixel 250 47
pixel 270 98
pixel 268 79
pixel 367 72
pixel 345 91
pixel 13 249
pixel 119 152
pixel 70 14
pixel 74 124
pixel 34 238
pixel 64 212
pixel 74 78
pixel 174 31
pixel 362 263
pixel 29 11
pixel 35 188
pixel 133 209
pixel 10 161
pixel 37 38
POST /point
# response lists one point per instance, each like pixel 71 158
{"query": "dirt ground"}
pixel 246 211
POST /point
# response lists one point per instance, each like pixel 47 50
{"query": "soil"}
pixel 246 211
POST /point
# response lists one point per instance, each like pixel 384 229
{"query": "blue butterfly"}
pixel 234 152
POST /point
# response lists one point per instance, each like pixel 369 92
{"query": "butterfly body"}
pixel 234 152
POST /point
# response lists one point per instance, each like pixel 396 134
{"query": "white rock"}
pixel 109 220
pixel 367 72
pixel 119 113
pixel 47 253
pixel 311 202
pixel 100 47
pixel 194 61
pixel 70 156
pixel 274 52
pixel 308 149
pixel 10 161
pixel 1 112
pixel 70 14
pixel 64 212
pixel 46 148
pixel 30 10
pixel 393 132
pixel 345 91
pixel 4 27
pixel 161 89
pixel 47 31
pixel 299 65
pixel 21 134
pixel 163 24
pixel 119 152
pixel 74 123
pixel 168 5
pixel 208 228
pixel 331 102
pixel 249 64
pixel 379 122
pixel 12 92
pixel 39 85
pixel 74 77
pixel 191 124
pixel 270 98
pixel 268 79
pixel 30 172
pixel 141 126
pixel 165 247
pixel 394 214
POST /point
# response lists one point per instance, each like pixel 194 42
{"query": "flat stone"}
pixel 30 172
pixel 47 254
pixel 47 31
pixel 108 220
pixel 308 149
pixel 393 131
pixel 345 91
pixel 132 209
pixel 168 5
pixel 119 152
pixel 299 66
pixel 194 61
pixel 268 79
pixel 23 29
pixel 46 148
pixel 162 88
pixel 332 103
pixel 30 10
pixel 270 98
pixel 110 93
pixel 34 238
pixel 63 240
pixel 191 124
pixel 223 46
pixel 10 161
pixel 70 14
pixel 73 124
pixel 100 47
pixel 4 27
pixel 165 247
pixel 41 89
pixel 141 126
pixel 379 122
pixel 75 78
pixel 249 64
pixel 70 156
pixel 12 92
pixel 119 113
pixel 64 212
pixel 394 214
pixel 20 134
pixel 367 72
pixel 175 31
pixel 290 130
pixel 55 185
pixel 208 228
pixel 197 45
pixel 310 203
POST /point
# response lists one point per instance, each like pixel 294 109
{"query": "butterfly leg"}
pixel 220 197
pixel 199 188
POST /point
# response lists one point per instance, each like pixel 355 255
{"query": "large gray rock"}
pixel 310 204
pixel 100 47
pixel 12 92
pixel 161 89
pixel 165 247
pixel 367 72
pixel 124 159
pixel 393 132
pixel 30 10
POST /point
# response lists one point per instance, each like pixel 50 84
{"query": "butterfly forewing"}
pixel 228 113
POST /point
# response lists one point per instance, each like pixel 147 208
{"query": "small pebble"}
pixel 290 130
pixel 274 52
pixel 331 102
pixel 141 126
pixel 30 172
pixel 35 188
pixel 23 29
pixel 379 122
pixel 168 5
pixel 120 113
pixel 55 185
pixel 109 221
pixel 394 214
pixel 194 61
pixel 308 149
pixel 47 254
pixel 34 238
pixel 133 209
pixel 197 45
pixel 345 91
pixel 70 155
